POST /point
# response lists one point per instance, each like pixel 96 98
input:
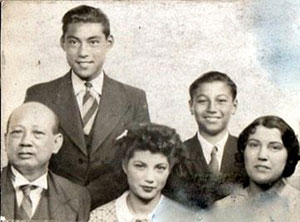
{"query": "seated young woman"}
pixel 269 150
pixel 148 154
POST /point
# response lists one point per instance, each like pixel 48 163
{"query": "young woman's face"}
pixel 265 155
pixel 147 174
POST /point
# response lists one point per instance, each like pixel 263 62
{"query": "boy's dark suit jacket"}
pixel 198 187
pixel 120 105
pixel 67 201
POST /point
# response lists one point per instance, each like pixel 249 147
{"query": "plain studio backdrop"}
pixel 162 47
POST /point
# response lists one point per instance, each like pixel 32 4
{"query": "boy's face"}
pixel 86 46
pixel 212 104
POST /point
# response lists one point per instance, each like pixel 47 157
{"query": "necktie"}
pixel 214 163
pixel 89 108
pixel 25 209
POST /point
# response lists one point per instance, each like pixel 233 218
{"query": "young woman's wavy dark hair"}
pixel 154 138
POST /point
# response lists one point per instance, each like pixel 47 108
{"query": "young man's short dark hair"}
pixel 86 14
pixel 212 77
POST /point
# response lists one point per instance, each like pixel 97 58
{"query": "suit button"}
pixel 80 161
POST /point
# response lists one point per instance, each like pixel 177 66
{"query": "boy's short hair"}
pixel 212 77
pixel 86 14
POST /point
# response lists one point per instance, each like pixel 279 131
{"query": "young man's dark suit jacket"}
pixel 67 201
pixel 92 166
pixel 196 186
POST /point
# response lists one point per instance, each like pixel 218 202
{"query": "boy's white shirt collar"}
pixel 207 147
pixel 78 84
pixel 123 212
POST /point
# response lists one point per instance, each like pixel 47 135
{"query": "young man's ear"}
pixel 235 105
pixel 110 39
pixel 191 107
pixel 58 142
pixel 62 43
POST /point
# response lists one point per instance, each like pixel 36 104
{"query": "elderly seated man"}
pixel 29 190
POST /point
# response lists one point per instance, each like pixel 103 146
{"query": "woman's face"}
pixel 265 155
pixel 147 174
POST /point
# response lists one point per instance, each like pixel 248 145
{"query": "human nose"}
pixel 149 177
pixel 211 107
pixel 263 153
pixel 83 50
pixel 26 139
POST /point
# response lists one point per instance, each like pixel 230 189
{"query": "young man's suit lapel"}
pixel 113 105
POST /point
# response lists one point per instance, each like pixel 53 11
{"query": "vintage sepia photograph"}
pixel 163 110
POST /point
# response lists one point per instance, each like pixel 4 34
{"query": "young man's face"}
pixel 213 104
pixel 86 46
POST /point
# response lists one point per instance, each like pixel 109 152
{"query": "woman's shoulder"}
pixel 106 212
pixel 238 197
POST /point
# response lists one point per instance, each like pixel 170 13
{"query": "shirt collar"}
pixel 19 180
pixel 220 144
pixel 78 84
pixel 123 212
pixel 207 146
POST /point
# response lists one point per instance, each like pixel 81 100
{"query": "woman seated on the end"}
pixel 269 150
pixel 148 154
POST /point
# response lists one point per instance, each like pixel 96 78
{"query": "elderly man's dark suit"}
pixel 195 184
pixel 66 201
pixel 92 164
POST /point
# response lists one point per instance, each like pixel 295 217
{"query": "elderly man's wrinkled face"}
pixel 30 140
pixel 265 155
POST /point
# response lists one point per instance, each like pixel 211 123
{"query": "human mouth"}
pixel 84 63
pixel 262 168
pixel 148 189
pixel 25 155
pixel 212 119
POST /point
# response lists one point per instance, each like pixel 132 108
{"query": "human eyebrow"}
pixel 94 37
pixel 71 37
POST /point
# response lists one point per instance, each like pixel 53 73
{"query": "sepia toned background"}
pixel 162 46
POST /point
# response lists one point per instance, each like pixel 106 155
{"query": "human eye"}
pixel 222 100
pixel 161 168
pixel 38 133
pixel 252 144
pixel 276 146
pixel 16 132
pixel 94 42
pixel 139 165
pixel 201 100
pixel 72 42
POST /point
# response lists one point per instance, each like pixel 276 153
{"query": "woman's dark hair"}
pixel 154 138
pixel 288 137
